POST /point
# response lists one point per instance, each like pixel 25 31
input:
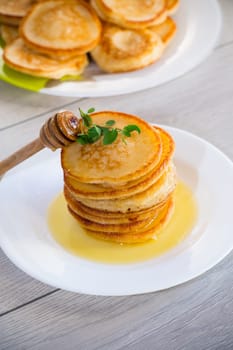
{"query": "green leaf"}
pixel 130 128
pixel 91 110
pixel 86 118
pixel 110 122
pixel 126 133
pixel 82 139
pixel 109 136
pixel 94 133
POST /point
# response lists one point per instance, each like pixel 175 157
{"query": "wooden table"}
pixel 195 315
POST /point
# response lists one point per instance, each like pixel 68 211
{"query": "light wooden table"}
pixel 195 315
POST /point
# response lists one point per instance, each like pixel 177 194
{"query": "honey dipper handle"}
pixel 20 155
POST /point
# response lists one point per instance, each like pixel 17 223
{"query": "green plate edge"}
pixel 23 80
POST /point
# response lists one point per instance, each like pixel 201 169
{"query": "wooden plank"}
pixel 19 105
pixel 16 288
pixel 227 24
pixel 195 315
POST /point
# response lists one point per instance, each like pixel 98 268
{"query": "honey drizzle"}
pixel 67 232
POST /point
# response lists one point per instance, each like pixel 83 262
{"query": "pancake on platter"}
pixel 93 191
pixel 60 28
pixel 12 11
pixel 132 14
pixel 124 50
pixel 8 33
pixel 122 191
pixel 21 58
pixel 172 6
pixel 165 30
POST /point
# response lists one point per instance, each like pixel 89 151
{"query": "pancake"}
pixel 165 30
pixel 8 33
pixel 124 50
pixel 104 191
pixel 12 11
pixel 152 196
pixel 21 58
pixel 96 214
pixel 118 162
pixel 133 14
pixel 172 6
pixel 139 236
pixel 121 226
pixel 106 217
pixel 61 28
pixel 125 227
pixel 122 192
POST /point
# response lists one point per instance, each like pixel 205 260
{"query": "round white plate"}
pixel 198 24
pixel 26 192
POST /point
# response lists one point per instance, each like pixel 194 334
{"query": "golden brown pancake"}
pixel 124 50
pixel 139 236
pixel 106 217
pixel 172 6
pixel 118 162
pixel 132 14
pixel 12 11
pixel 165 30
pixel 8 33
pixel 105 191
pixel 21 58
pixel 88 212
pixel 152 196
pixel 59 27
pixel 126 227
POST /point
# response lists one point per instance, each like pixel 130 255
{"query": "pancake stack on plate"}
pixel 55 36
pixel 121 192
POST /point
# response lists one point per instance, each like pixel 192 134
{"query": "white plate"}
pixel 24 236
pixel 198 23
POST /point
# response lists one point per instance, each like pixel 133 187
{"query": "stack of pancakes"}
pixel 55 36
pixel 121 192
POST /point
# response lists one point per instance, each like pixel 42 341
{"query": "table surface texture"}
pixel 197 315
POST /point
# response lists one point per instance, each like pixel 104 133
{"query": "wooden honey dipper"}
pixel 59 131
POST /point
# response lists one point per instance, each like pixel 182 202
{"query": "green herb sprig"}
pixel 92 132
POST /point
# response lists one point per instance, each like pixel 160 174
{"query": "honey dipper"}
pixel 57 132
